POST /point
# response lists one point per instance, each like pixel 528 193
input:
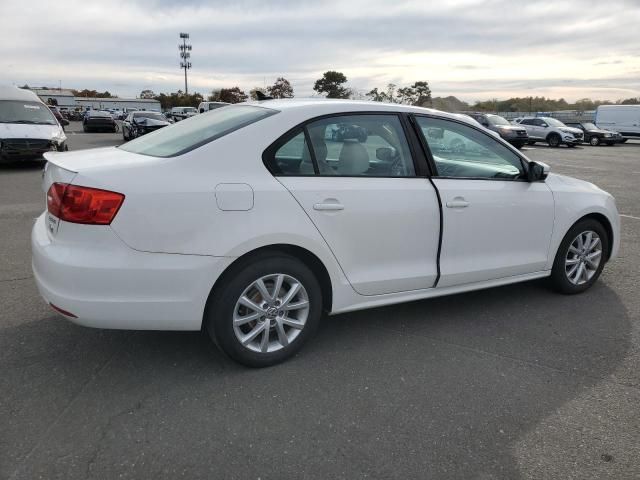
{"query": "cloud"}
pixel 462 47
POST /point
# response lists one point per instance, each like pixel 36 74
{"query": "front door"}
pixel 495 223
pixel 358 185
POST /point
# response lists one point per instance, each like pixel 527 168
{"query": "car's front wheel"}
pixel 265 310
pixel 594 141
pixel 554 140
pixel 580 257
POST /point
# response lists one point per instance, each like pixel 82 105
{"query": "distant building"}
pixel 63 97
pixel 66 100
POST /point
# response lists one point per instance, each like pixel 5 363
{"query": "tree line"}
pixel 334 84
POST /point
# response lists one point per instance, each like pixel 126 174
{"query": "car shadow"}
pixel 439 388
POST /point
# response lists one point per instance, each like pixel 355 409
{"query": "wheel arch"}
pixel 550 134
pixel 305 256
pixel 604 221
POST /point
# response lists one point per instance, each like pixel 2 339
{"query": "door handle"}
pixel 328 206
pixel 458 202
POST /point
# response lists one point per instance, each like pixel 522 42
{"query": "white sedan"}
pixel 250 222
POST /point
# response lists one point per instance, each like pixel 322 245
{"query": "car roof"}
pixel 320 106
pixel 15 93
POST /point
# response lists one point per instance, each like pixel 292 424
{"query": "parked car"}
pixel 180 113
pixel 248 223
pixel 550 130
pixel 516 135
pixel 141 123
pixel 595 136
pixel 208 106
pixel 99 121
pixel 624 119
pixel 341 131
pixel 56 113
pixel 75 115
pixel 28 128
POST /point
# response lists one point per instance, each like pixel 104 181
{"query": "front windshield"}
pixel 589 126
pixel 554 123
pixel 497 120
pixel 29 112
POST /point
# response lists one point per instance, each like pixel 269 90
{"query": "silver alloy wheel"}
pixel 271 313
pixel 595 141
pixel 583 257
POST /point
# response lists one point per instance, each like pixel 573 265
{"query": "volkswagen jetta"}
pixel 252 220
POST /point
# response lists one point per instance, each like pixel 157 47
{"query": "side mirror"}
pixel 538 171
pixel 385 154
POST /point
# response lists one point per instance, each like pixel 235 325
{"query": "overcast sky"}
pixel 473 49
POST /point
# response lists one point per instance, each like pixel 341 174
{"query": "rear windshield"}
pixel 152 115
pixel 29 112
pixel 196 131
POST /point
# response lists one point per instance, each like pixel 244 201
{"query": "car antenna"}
pixel 261 96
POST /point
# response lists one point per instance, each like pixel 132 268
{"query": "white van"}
pixel 624 119
pixel 28 129
pixel 207 106
pixel 180 113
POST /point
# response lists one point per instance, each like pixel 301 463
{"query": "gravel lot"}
pixel 514 382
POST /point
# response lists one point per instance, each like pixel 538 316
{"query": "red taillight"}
pixel 76 204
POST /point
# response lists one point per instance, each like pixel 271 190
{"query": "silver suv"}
pixel 551 131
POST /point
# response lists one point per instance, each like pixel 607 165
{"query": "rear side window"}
pixel 196 131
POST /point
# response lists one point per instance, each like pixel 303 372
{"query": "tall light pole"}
pixel 185 55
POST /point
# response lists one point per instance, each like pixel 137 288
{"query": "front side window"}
pixel 196 131
pixel 460 151
pixel 27 112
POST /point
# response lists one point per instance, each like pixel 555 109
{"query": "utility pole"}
pixel 185 55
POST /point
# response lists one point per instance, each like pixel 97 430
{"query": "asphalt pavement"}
pixel 513 382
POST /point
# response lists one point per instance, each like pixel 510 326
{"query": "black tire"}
pixel 571 145
pixel 559 279
pixel 610 144
pixel 554 140
pixel 594 141
pixel 518 145
pixel 222 303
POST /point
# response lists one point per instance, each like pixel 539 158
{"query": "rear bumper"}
pixel 106 284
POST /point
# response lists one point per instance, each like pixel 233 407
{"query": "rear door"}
pixel 356 179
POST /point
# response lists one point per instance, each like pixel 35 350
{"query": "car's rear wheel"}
pixel 594 141
pixel 265 310
pixel 580 257
pixel 554 140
